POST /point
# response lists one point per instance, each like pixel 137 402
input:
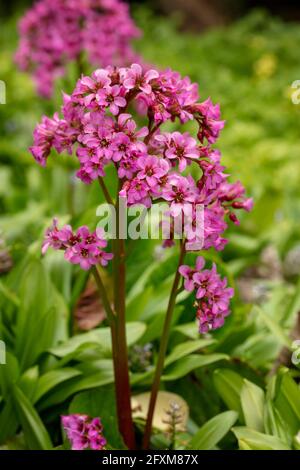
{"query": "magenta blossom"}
pixel 55 32
pixel 179 192
pixel 188 273
pixel 152 169
pixel 179 147
pixel 136 79
pixel 110 97
pixel 83 247
pixel 84 432
pixel 97 130
pixel 97 127
pixel 212 294
pixel 210 124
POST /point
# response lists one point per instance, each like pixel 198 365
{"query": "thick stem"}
pixel 123 393
pixel 105 191
pixel 162 351
pixel 120 357
pixel 106 304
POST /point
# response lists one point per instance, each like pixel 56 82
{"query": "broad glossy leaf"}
pixel 52 379
pixel 287 400
pixel 229 385
pixel 42 317
pixel 101 336
pixel 190 363
pixel 253 440
pixel 213 431
pixel 28 382
pixel 275 425
pixel 188 329
pixel 78 384
pixel 9 374
pixel 252 400
pixel 155 325
pixel 9 421
pixel 35 433
pixel 274 327
pixel 186 348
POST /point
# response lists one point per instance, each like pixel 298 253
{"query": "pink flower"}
pixel 84 432
pixel 152 169
pixel 56 238
pixel 83 247
pixel 179 192
pixel 121 146
pixel 188 273
pixel 137 192
pixel 212 294
pixel 180 147
pixel 205 281
pixel 213 172
pixel 210 124
pixel 126 124
pixel 135 78
pixel 44 135
pixel 110 97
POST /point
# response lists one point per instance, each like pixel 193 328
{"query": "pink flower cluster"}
pixel 212 294
pixel 84 432
pixel 151 162
pixel 83 247
pixel 54 32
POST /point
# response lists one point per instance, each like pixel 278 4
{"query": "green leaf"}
pixel 28 382
pixel 274 327
pixel 9 294
pixel 186 348
pixel 52 379
pixel 9 422
pixel 103 376
pixel 9 374
pixel 190 363
pixel 155 324
pixel 100 336
pixel 252 400
pixel 35 433
pixel 188 329
pixel 42 318
pixel 213 431
pixel 100 403
pixel 275 425
pixel 287 400
pixel 253 440
pixel 229 385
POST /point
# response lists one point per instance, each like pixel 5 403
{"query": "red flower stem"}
pixel 119 380
pixel 151 132
pixel 111 316
pixel 162 351
pixel 118 333
pixel 105 191
pixel 123 393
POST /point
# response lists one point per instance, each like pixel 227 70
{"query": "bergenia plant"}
pixel 55 32
pixel 152 165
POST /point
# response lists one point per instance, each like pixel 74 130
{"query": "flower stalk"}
pixel 123 394
pixel 162 350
